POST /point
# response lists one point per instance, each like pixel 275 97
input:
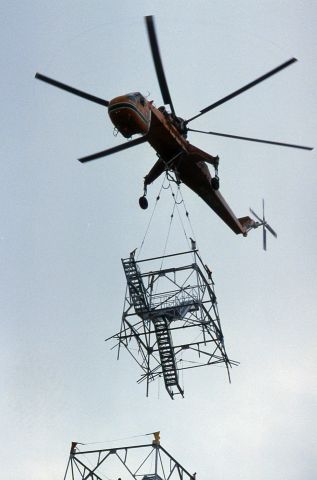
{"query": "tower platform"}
pixel 136 462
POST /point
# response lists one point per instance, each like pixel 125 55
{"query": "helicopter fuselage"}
pixel 133 114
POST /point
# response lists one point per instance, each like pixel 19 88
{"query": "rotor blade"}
pixel 263 213
pixel 149 20
pixel 281 144
pixel 110 151
pixel 270 229
pixel 75 91
pixel 243 89
pixel 264 238
pixel 256 216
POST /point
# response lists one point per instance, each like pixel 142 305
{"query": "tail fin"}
pixel 246 223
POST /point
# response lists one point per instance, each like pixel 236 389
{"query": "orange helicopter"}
pixel 133 114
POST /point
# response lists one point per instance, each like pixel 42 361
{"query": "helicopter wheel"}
pixel 143 202
pixel 215 183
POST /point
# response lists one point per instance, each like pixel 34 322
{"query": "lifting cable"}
pixel 151 217
pixel 177 205
pixel 170 224
pixel 178 201
pixel 182 202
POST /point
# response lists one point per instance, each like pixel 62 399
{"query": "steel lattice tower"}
pixel 139 462
pixel 170 318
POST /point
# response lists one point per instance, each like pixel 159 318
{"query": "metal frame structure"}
pixel 170 320
pixel 138 462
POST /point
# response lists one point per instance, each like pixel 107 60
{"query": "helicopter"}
pixel 133 114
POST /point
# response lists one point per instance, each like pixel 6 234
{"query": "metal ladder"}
pixel 135 285
pixel 161 325
pixel 166 352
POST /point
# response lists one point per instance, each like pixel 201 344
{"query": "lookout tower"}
pixel 139 462
pixel 170 317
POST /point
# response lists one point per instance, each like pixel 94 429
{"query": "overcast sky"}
pixel 65 226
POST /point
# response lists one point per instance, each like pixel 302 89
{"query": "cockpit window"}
pixel 132 96
pixel 137 98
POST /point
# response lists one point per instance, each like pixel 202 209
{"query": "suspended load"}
pixel 170 318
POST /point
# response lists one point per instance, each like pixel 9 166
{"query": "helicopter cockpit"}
pixel 130 114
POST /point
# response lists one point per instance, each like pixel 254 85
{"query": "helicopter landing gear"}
pixel 215 183
pixel 142 200
pixel 215 179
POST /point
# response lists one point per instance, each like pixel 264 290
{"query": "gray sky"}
pixel 65 227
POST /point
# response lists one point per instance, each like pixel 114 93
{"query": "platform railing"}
pixel 174 298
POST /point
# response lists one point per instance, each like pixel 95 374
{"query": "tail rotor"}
pixel 265 226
